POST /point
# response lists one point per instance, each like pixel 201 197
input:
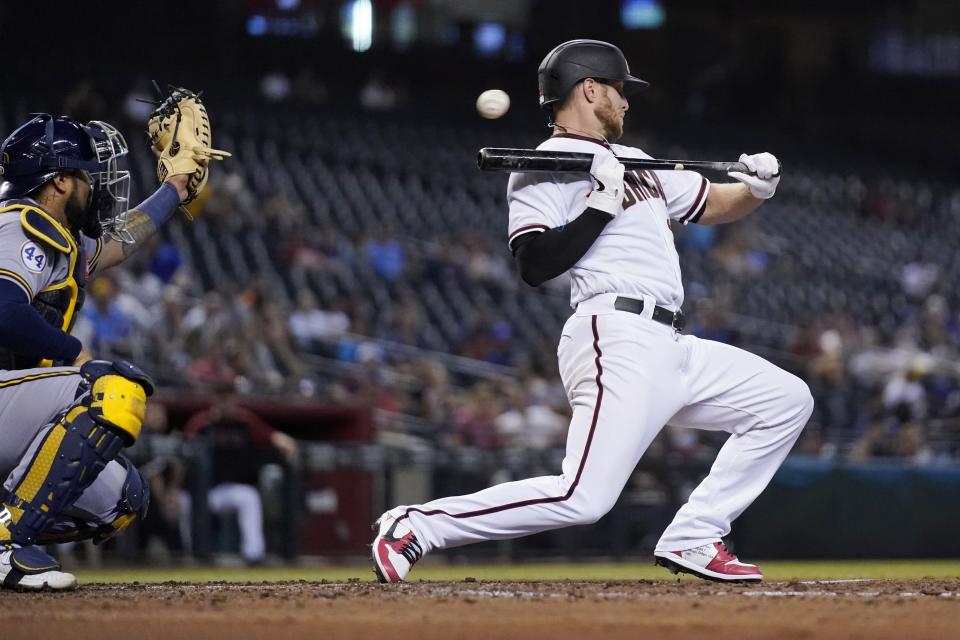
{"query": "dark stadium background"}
pixel 352 192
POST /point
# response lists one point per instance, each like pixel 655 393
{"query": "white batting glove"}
pixel 765 165
pixel 607 174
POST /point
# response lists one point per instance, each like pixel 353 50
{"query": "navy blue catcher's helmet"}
pixel 47 145
pixel 40 149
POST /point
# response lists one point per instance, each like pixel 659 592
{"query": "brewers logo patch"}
pixel 33 257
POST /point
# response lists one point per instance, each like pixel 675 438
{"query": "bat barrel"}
pixel 532 160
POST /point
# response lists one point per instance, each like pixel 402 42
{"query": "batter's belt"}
pixel 662 315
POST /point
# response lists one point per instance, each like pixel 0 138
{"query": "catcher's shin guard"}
pixel 132 503
pixel 70 455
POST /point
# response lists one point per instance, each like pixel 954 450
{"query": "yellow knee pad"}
pixel 119 402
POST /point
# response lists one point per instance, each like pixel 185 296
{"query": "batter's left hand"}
pixel 767 169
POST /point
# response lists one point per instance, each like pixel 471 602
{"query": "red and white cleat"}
pixel 711 562
pixel 395 549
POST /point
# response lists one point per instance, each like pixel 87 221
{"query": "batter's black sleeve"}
pixel 543 256
pixel 24 331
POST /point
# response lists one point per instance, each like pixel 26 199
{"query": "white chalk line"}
pixel 435 592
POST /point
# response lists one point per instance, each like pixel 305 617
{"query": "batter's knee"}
pixel 588 509
pixel 800 398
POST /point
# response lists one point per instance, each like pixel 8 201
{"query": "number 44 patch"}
pixel 33 257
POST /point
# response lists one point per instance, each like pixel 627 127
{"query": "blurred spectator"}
pixel 386 255
pixel 474 420
pixel 434 392
pixel 700 237
pixel 873 443
pixel 713 323
pixel 110 327
pixel 205 322
pixel 311 251
pixel 310 325
pixel 490 341
pixel 240 444
pixel 909 444
pixel 210 369
pixel 274 354
pixel 905 391
pixel 529 425
pixel 164 262
pixel 405 324
pixel 738 254
pixel 813 445
pixel 483 265
pixel 284 213
pixel 166 334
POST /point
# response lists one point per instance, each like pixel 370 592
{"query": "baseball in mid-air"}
pixel 493 103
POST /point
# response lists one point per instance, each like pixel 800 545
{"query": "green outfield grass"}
pixel 773 570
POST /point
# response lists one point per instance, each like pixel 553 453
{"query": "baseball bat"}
pixel 537 161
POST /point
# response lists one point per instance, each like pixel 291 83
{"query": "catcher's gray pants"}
pixel 29 401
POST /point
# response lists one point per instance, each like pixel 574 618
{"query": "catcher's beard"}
pixel 79 210
pixel 612 125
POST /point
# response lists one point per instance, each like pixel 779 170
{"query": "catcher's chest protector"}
pixel 59 302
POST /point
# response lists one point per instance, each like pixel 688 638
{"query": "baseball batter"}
pixel 63 216
pixel 626 367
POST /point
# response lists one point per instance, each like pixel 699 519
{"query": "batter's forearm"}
pixel 544 256
pixel 728 203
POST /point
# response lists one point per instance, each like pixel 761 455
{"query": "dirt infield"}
pixel 484 609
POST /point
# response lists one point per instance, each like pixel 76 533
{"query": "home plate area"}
pixel 492 609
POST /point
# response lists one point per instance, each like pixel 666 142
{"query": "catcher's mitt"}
pixel 180 129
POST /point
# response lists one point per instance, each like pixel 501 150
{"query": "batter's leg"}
pixel 621 373
pixel 763 407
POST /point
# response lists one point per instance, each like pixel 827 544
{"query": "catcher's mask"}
pixel 48 145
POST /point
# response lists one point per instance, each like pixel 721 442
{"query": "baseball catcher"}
pixel 65 417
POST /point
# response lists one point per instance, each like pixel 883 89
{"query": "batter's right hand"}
pixel 607 174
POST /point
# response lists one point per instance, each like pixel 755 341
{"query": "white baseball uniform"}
pixel 626 376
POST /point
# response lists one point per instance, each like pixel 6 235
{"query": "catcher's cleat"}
pixel 710 562
pixel 395 549
pixel 30 569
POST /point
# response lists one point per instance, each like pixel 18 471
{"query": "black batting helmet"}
pixel 576 60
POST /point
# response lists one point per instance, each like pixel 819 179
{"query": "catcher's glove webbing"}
pixel 180 129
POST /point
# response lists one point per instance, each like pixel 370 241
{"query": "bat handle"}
pixel 741 168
